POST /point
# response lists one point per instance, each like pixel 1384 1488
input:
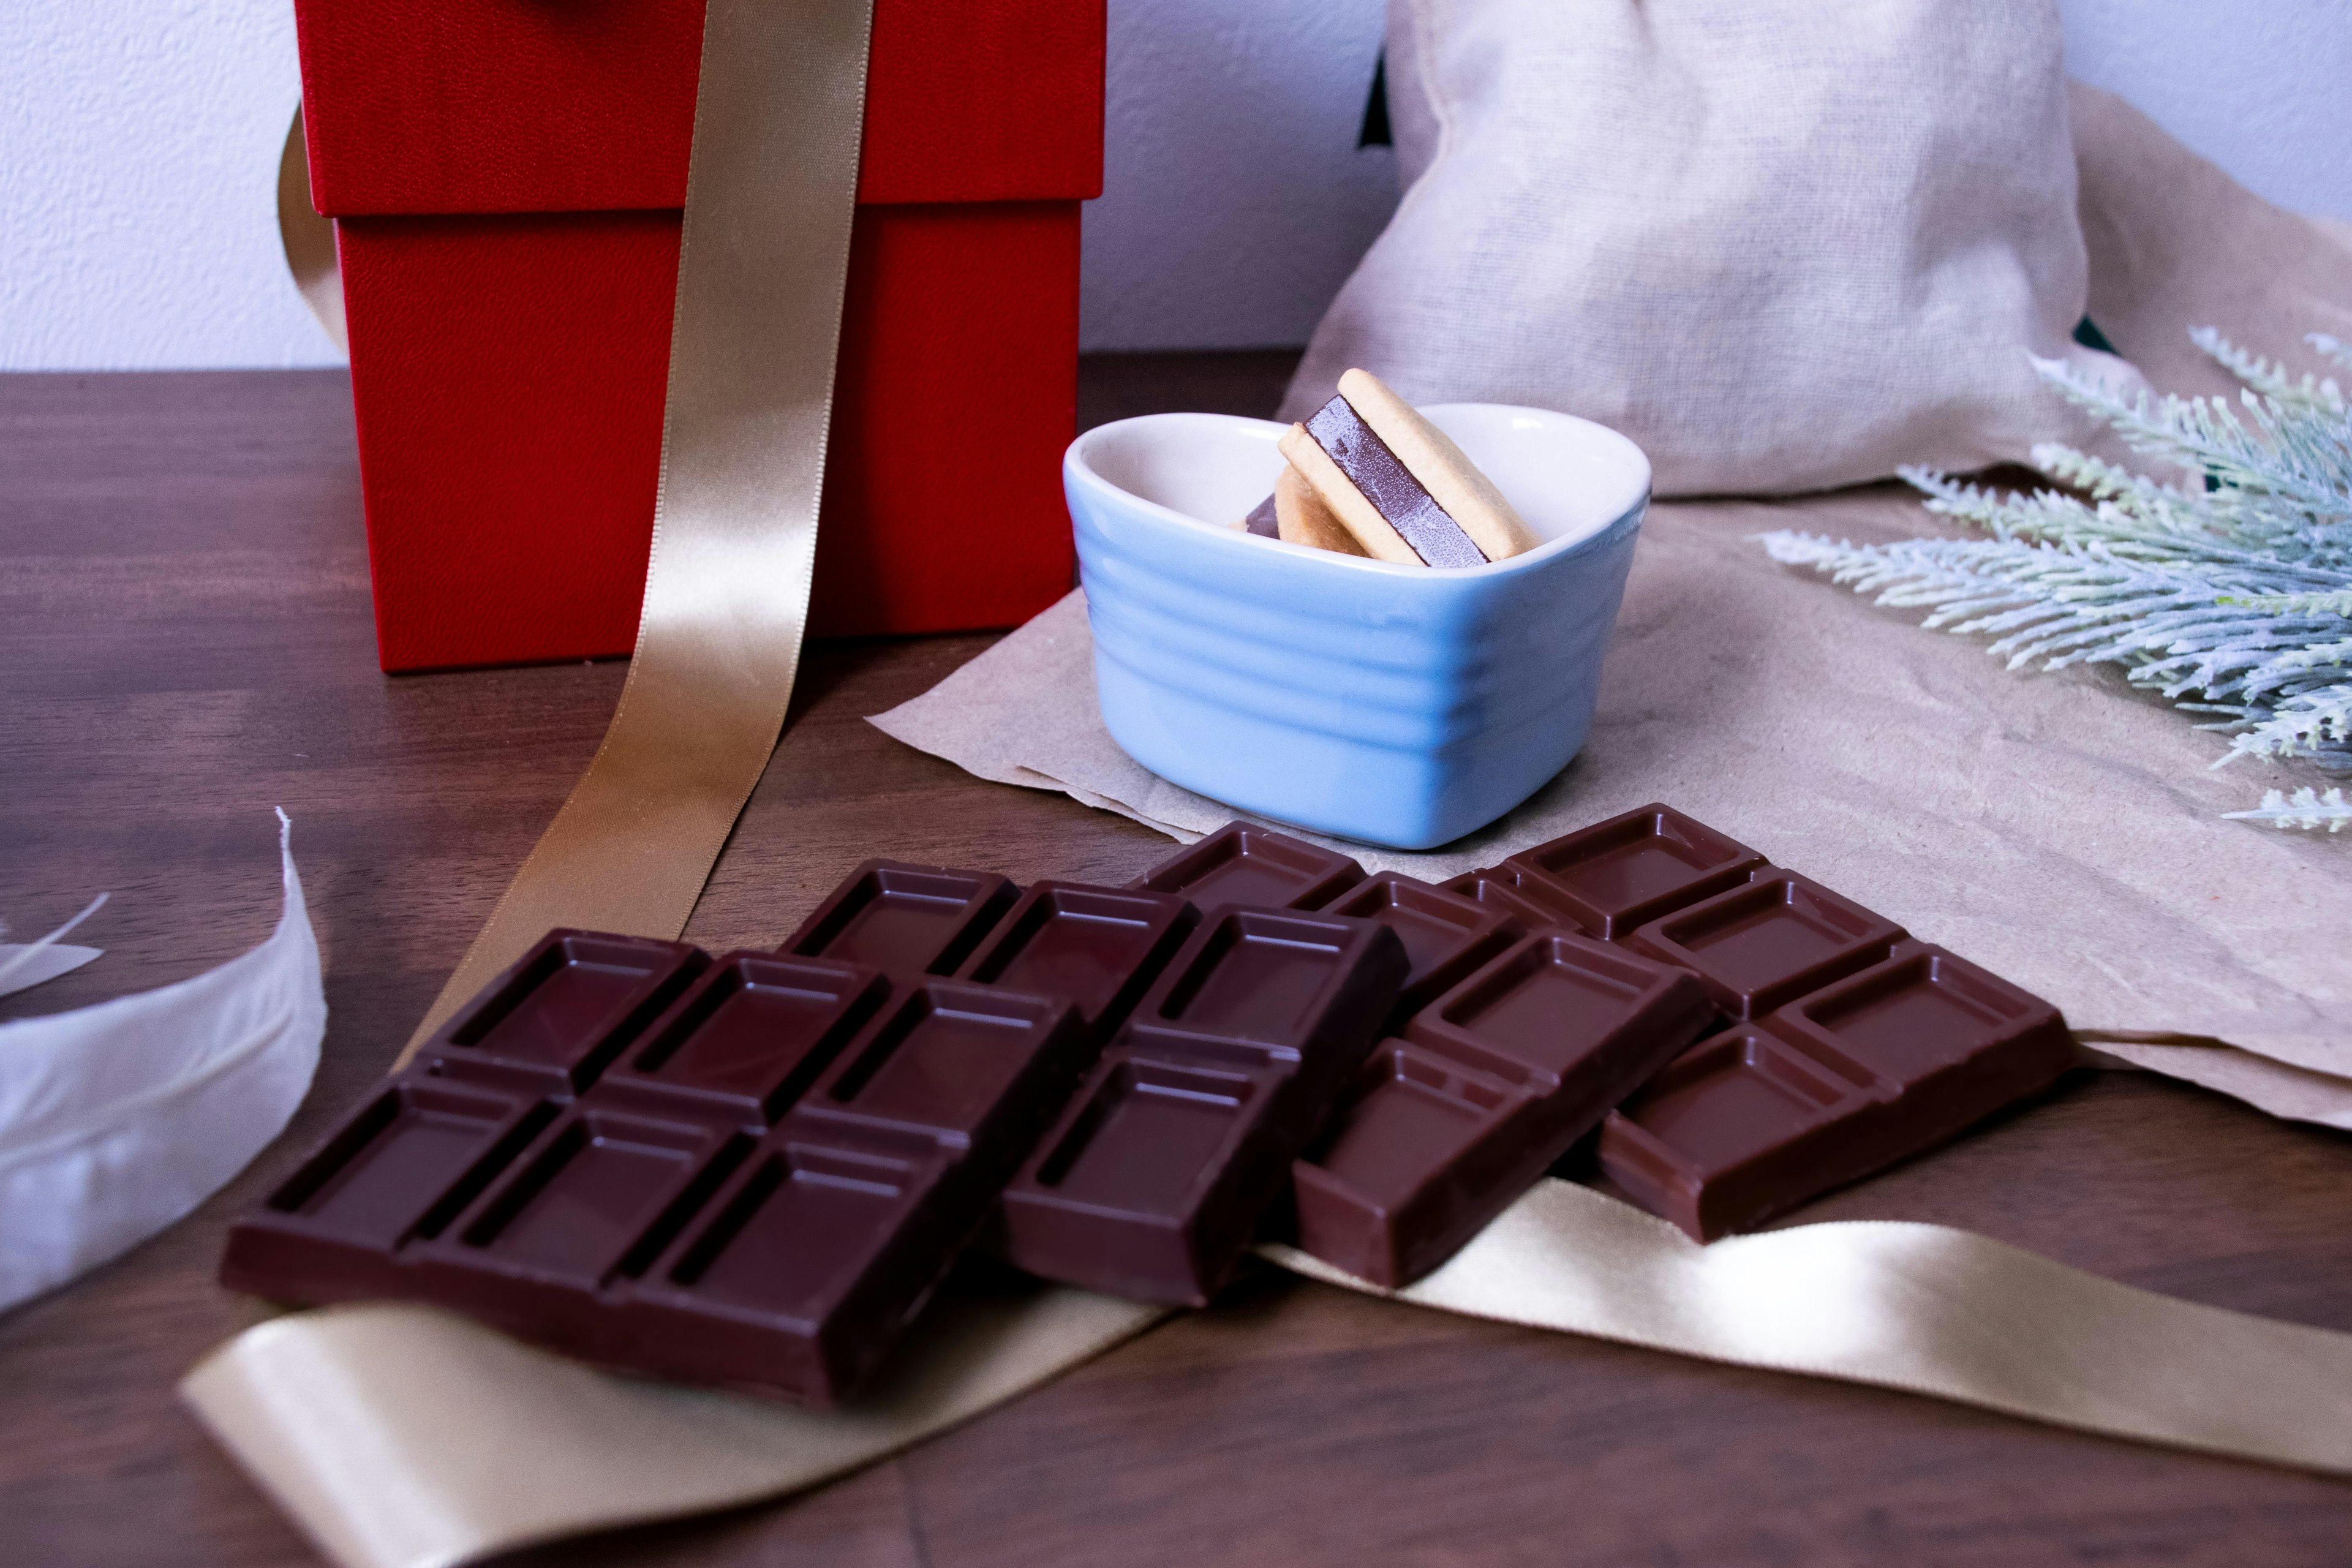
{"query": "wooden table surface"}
pixel 185 642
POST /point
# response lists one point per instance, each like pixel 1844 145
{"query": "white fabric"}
pixel 1784 245
pixel 117 1119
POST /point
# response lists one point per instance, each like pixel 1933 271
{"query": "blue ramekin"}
pixel 1396 705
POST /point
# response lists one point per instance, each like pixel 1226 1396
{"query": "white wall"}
pixel 139 142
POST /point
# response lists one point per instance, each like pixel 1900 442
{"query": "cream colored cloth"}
pixel 1784 245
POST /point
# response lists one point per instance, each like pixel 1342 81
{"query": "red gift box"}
pixel 506 178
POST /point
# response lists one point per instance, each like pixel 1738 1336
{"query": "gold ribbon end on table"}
pixel 1924 1309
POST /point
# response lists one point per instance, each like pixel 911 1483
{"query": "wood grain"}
pixel 186 641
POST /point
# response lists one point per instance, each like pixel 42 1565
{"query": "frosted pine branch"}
pixel 2231 599
pixel 2305 808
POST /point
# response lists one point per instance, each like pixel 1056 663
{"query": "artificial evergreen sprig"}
pixel 2231 596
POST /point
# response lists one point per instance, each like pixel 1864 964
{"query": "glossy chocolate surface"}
pixel 757 1185
pixel 1756 1118
pixel 1241 863
pixel 904 920
pixel 1621 874
pixel 1499 889
pixel 1494 1082
pixel 1871 1070
pixel 1445 937
pixel 1098 946
pixel 1155 1178
pixel 1390 485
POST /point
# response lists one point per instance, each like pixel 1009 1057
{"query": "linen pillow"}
pixel 1784 245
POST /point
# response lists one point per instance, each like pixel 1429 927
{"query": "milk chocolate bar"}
pixel 1154 1181
pixel 1842 1082
pixel 1432 1142
pixel 1500 888
pixel 1769 940
pixel 1099 947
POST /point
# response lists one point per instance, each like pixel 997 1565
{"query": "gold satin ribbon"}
pixel 400 1437
pixel 770 190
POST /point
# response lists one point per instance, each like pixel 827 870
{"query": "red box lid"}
pixel 509 106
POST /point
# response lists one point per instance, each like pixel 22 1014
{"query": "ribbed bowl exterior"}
pixel 1393 705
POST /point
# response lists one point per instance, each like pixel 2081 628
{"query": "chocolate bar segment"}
pixel 757 1184
pixel 1369 465
pixel 1493 1084
pixel 754 1031
pixel 402 1166
pixel 1505 891
pixel 1154 1181
pixel 1869 1071
pixel 1100 947
pixel 1242 863
pixel 1622 874
pixel 904 920
pixel 563 1009
pixel 1769 942
pixel 1445 937
pixel 1264 520
pixel 813 1257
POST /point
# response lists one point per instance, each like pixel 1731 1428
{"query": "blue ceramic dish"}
pixel 1397 705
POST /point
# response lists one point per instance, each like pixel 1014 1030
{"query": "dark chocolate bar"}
pixel 754 1172
pixel 1492 1084
pixel 1264 520
pixel 1098 946
pixel 749 1173
pixel 1390 485
pixel 1769 940
pixel 1503 889
pixel 1625 872
pixel 1853 1078
pixel 1154 1181
pixel 904 920
pixel 1739 1128
pixel 1242 863
pixel 1445 937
